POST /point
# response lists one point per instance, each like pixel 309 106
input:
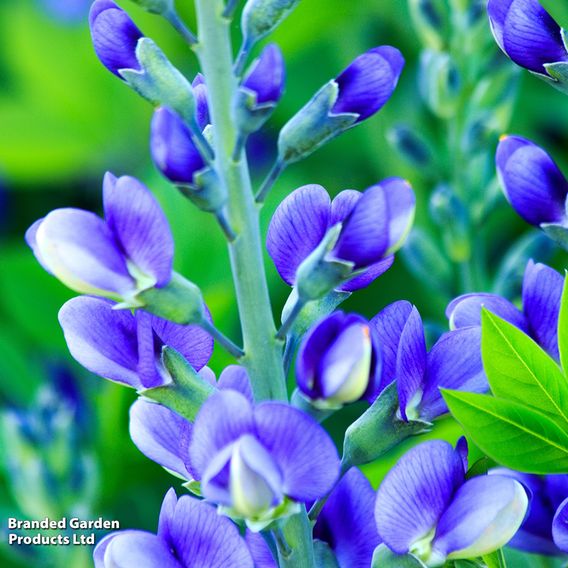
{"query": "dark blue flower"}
pixel 266 76
pixel 190 533
pixel 115 36
pixel 527 33
pixel 374 224
pixel 542 291
pixel 426 507
pixel 339 361
pixel 201 103
pixel 533 183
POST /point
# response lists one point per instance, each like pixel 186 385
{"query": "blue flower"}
pixel 266 77
pixel 527 33
pixel 339 361
pixel 426 507
pixel 542 291
pixel 190 533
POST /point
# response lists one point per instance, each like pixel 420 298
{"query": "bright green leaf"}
pixel 513 435
pixel 563 328
pixel 520 370
pixel 495 560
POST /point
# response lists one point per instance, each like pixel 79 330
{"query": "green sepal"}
pixel 249 115
pixel 207 192
pixel 284 510
pixel 156 6
pixel 379 429
pixel 260 17
pixel 313 125
pixel 558 233
pixel 495 559
pixel 186 393
pixel 384 558
pixel 439 83
pixel 159 82
pixel 557 75
pixel 180 301
pixel 194 487
pixel 324 556
pixel 317 411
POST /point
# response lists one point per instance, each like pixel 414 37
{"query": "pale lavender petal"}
pixel 102 339
pixel 542 292
pixel 401 203
pixel 416 492
pixel 560 527
pixel 140 226
pixel 297 228
pixel 166 517
pixel 235 377
pixel 140 549
pixel 260 551
pixel 100 550
pixel 302 449
pixel 149 352
pixel 31 241
pixel 158 432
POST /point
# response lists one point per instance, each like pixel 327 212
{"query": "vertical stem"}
pixel 263 358
pixel 296 532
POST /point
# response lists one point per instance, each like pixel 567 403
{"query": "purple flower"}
pixel 454 361
pixel 526 32
pixel 115 36
pixel 130 251
pixel 201 104
pixel 125 347
pixel 374 224
pixel 352 542
pixel 190 533
pixel 339 361
pixel 173 149
pixel 368 83
pixel 542 291
pixel 258 461
pixel 266 76
pixel 533 183
pixel 546 492
pixel 425 507
pixel 560 527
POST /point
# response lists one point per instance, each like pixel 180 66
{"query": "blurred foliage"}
pixel 64 120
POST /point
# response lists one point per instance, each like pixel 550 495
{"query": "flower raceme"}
pixel 339 361
pixel 128 252
pixel 309 232
pixel 427 508
pixel 528 34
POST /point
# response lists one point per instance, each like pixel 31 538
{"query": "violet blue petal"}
pixel 166 517
pixel 172 148
pixel 453 363
pixel 531 37
pixel 368 82
pixel 102 339
pixel 368 276
pixel 140 226
pixel 149 351
pixel 401 204
pixel 483 516
pixel 297 228
pixel 81 251
pixel 410 362
pixel 157 433
pixel 235 377
pixel 560 527
pixel 343 204
pixel 260 551
pixel 364 237
pixel 542 293
pixel 140 549
pixel 114 35
pixel 497 11
pixel 533 183
pixel 302 449
pixel 352 542
pixel 223 418
pixel 465 311
pixel 216 478
pixel 205 539
pixel 416 492
pixel 267 76
pixel 201 104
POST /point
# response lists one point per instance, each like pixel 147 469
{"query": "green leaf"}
pixel 495 559
pixel 563 328
pixel 384 558
pixel 513 435
pixel 520 370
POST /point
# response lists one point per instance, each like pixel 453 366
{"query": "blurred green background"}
pixel 64 121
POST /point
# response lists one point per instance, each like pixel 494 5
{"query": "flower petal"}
pixel 267 76
pixel 560 527
pixel 497 11
pixel 343 204
pixel 166 517
pixel 353 542
pixel 368 276
pixel 102 339
pixel 416 492
pixel 297 228
pixel 235 377
pixel 158 433
pixel 301 447
pixel 401 203
pixel 140 226
pixel 542 293
pixel 140 549
pixel 260 551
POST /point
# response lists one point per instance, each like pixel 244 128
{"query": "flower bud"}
pixel 440 83
pixel 260 17
pixel 155 6
pixel 201 103
pixel 338 361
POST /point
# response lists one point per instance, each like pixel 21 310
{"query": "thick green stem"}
pixel 263 351
pixel 296 532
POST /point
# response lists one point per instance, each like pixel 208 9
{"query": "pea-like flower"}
pixel 259 462
pixel 547 493
pixel 454 362
pixel 542 292
pixel 425 507
pixel 128 252
pixel 190 533
pixel 356 233
pixel 126 347
pixel 528 34
pixel 532 182
pixel 339 361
